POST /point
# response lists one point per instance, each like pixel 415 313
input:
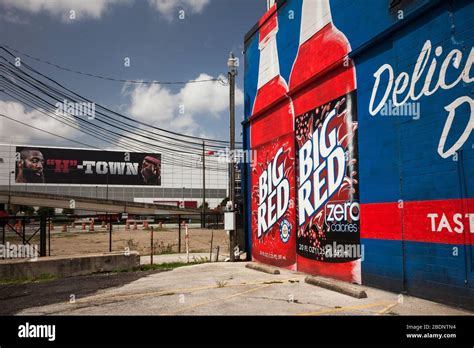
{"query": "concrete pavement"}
pixel 223 288
pixel 170 258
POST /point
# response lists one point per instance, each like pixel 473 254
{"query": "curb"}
pixel 262 268
pixel 338 286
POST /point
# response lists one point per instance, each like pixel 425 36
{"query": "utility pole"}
pixel 232 63
pixel 203 221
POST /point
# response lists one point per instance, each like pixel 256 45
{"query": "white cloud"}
pixel 94 9
pixel 208 97
pixel 161 107
pixel 62 8
pixel 153 103
pixel 11 17
pixel 15 132
pixel 168 8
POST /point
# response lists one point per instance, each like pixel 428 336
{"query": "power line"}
pixel 224 83
pixel 53 93
pixel 111 140
pixel 50 106
pixel 209 141
pixel 45 131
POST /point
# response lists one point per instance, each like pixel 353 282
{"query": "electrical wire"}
pixel 45 131
pixel 112 78
pixel 3 47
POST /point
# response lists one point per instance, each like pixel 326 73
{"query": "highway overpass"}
pixel 89 204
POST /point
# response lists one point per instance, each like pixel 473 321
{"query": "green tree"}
pixel 224 202
pixel 222 205
pixel 206 205
pixel 27 210
pixel 46 211
pixel 68 211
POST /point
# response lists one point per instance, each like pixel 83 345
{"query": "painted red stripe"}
pixel 268 22
pixel 380 221
pixel 450 225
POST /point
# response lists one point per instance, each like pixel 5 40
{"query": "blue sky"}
pixel 160 45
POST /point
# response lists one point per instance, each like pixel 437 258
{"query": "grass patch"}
pixel 221 284
pixel 167 266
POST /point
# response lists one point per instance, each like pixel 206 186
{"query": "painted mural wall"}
pixel 361 119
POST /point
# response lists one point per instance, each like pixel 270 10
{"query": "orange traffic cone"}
pixel 91 226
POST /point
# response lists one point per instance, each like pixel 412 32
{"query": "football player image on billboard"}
pixel 47 165
pixel 30 167
pixel 151 170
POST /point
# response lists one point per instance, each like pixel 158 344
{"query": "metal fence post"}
pixel 179 233
pixel 210 252
pixel 24 230
pixel 3 236
pixel 152 249
pixel 49 236
pixel 43 236
pixel 110 233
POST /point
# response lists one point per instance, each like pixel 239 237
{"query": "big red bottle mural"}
pixel 416 197
pixel 328 236
pixel 272 140
pixel 305 195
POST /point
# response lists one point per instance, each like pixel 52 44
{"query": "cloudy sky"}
pixel 164 40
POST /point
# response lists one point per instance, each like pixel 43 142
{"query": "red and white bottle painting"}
pixel 272 139
pixel 323 90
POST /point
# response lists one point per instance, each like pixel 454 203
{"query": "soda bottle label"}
pixel 327 182
pixel 273 202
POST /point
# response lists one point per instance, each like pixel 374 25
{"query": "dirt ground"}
pixel 165 241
